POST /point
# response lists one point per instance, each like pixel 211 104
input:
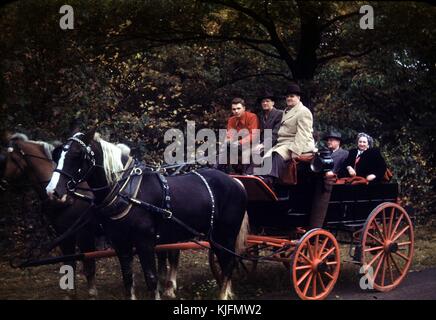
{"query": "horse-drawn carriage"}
pixel 380 232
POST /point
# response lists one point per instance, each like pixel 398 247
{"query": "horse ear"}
pixel 89 136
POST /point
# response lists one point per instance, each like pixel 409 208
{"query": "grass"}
pixel 270 281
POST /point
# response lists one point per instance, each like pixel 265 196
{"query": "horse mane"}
pixel 19 136
pixel 125 149
pixel 112 163
pixel 47 147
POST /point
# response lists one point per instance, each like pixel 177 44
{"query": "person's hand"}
pixel 294 155
pixel 351 171
pixel 370 177
pixel 330 173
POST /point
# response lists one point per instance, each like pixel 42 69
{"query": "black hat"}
pixel 293 89
pixel 266 94
pixel 333 134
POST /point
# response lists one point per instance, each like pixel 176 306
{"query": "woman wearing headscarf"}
pixel 365 160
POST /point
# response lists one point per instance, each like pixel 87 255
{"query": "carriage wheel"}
pixel 245 267
pixel 387 246
pixel 315 265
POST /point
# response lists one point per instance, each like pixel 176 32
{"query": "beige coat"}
pixel 295 133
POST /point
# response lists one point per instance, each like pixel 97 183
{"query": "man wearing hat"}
pixel 270 118
pixel 295 135
pixel 339 155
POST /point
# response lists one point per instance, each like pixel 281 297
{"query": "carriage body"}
pixel 377 229
pixel 349 205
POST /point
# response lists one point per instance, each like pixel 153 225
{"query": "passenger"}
pixel 339 155
pixel 364 161
pixel 241 129
pixel 270 118
pixel 295 140
pixel 295 135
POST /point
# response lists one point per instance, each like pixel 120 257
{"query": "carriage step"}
pixel 353 225
pixel 296 214
pixel 353 261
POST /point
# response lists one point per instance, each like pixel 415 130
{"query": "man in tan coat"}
pixel 295 134
pixel 295 139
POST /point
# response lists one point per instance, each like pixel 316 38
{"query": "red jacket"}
pixel 248 121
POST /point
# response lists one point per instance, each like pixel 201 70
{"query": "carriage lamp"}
pixel 322 162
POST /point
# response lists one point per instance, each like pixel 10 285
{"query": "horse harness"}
pixel 123 197
pixel 88 156
pixel 124 193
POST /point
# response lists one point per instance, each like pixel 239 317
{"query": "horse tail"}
pixel 241 240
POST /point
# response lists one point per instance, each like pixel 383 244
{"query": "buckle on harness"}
pixel 71 185
pixel 136 171
pixel 167 214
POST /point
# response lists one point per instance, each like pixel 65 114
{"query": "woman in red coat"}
pixel 365 161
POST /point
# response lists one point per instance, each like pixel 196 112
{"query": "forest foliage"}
pixel 138 68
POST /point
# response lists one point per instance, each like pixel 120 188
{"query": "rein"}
pixel 165 213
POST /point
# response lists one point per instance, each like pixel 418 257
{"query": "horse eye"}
pixel 66 148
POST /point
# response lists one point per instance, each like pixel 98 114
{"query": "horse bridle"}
pixel 89 156
pixel 15 147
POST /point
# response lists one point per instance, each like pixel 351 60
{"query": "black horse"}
pixel 207 201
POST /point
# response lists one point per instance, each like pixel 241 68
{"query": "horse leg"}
pixel 227 260
pixel 171 280
pixel 162 270
pixel 125 257
pixel 68 247
pixel 86 242
pixel 227 264
pixel 145 250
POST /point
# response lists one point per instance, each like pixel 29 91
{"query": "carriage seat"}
pixel 361 180
pixel 290 175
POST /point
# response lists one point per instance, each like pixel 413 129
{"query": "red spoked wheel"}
pixel 387 246
pixel 315 265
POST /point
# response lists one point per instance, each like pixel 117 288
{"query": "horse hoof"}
pixel 92 293
pixel 170 293
pixel 70 295
pixel 226 297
